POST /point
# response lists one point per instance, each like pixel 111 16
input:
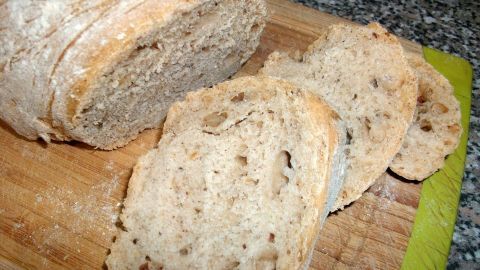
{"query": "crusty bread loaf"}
pixel 363 74
pixel 436 130
pixel 102 71
pixel 240 180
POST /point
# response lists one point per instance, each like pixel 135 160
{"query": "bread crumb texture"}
pixel 436 130
pixel 239 180
pixel 102 71
pixel 361 71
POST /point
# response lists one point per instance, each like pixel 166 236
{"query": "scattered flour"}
pixel 110 165
pixel 17 226
pixel 89 212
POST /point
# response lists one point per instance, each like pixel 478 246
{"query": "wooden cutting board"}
pixel 59 203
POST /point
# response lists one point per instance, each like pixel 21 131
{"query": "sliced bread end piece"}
pixel 241 179
pixel 436 130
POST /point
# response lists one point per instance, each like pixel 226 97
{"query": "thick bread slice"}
pixel 240 180
pixel 436 130
pixel 363 74
pixel 102 71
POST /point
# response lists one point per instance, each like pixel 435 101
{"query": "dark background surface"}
pixel 453 27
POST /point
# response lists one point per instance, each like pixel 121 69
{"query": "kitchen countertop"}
pixel 453 27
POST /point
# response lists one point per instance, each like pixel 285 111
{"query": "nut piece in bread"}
pixel 240 179
pixel 361 71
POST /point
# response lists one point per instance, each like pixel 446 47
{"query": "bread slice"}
pixel 100 72
pixel 241 179
pixel 361 71
pixel 436 130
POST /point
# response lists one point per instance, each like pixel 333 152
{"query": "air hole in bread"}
pixel 207 18
pixel 255 28
pixel 425 125
pixel 185 250
pixel 279 179
pixel 241 160
pixel 439 108
pixel 215 119
pixel 354 96
pixel 147 258
pixel 210 133
pixel 153 46
pixel 368 123
pixel 238 98
pixel 271 237
pixel 421 99
pixel 98 124
pixel 289 160
pixel 135 241
pixel 349 137
pixel 119 224
pixel 374 83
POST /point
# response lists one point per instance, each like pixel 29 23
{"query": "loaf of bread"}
pixel 242 178
pixel 101 71
pixel 436 130
pixel 361 71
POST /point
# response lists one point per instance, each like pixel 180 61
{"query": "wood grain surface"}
pixel 59 203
